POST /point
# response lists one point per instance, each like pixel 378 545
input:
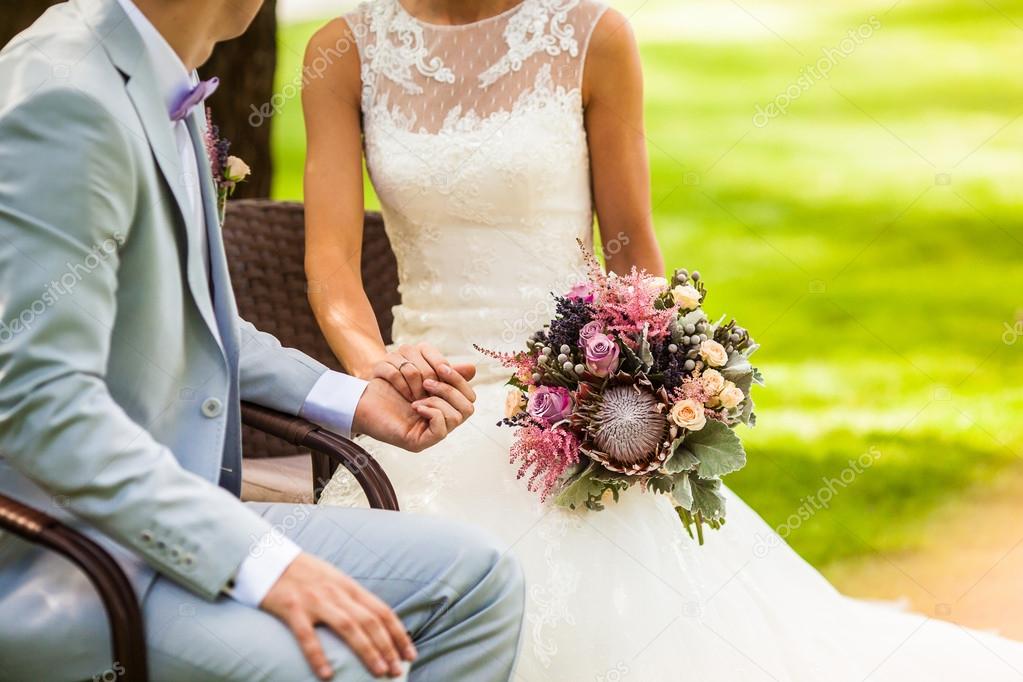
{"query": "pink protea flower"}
pixel 544 455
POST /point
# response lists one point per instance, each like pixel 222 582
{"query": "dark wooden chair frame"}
pixel 124 613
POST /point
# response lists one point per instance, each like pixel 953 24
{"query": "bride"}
pixel 492 131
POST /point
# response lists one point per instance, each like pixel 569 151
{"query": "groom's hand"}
pixel 311 592
pixel 385 414
pixel 410 366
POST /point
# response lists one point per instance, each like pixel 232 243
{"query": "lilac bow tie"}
pixel 194 98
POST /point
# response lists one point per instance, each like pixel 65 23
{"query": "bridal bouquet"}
pixel 632 384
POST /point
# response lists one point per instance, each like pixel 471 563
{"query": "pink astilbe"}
pixel 544 455
pixel 692 389
pixel 524 364
pixel 625 303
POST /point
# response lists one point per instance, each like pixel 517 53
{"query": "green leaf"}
pixel 631 363
pixel 758 378
pixel 737 368
pixel 646 356
pixel 747 416
pixel 707 498
pixel 681 460
pixel 717 447
pixel 660 483
pixel 683 492
pixel 580 489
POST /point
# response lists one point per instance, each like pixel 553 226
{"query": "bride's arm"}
pixel 334 218
pixel 334 199
pixel 613 101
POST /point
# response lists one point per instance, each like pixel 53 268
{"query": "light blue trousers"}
pixel 459 597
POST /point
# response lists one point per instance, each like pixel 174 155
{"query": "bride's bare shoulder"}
pixel 612 57
pixel 332 59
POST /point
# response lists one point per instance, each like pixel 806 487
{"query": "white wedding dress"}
pixel 475 143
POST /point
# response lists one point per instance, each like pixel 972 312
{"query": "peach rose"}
pixel 514 403
pixel 688 414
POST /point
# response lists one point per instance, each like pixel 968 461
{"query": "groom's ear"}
pixel 467 371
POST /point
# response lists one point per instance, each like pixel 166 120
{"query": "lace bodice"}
pixel 475 144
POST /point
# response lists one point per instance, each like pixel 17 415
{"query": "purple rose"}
pixel 601 355
pixel 550 404
pixel 583 291
pixel 589 330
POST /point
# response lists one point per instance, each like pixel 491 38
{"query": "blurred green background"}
pixel 870 237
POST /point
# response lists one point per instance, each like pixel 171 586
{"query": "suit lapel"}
pixel 223 293
pixel 128 53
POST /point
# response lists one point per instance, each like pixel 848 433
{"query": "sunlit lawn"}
pixel 871 238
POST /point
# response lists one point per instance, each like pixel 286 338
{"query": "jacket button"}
pixel 211 407
pixel 146 536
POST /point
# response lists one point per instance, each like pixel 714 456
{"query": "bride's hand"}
pixel 411 366
pixel 386 415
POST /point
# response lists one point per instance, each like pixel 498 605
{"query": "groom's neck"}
pixel 189 27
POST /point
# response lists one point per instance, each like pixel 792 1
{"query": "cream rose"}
pixel 731 395
pixel 656 285
pixel 713 353
pixel 686 296
pixel 688 414
pixel 712 382
pixel 237 170
pixel 514 403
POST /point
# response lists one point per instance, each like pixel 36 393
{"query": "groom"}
pixel 122 365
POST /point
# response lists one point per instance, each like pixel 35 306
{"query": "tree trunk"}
pixel 19 15
pixel 245 67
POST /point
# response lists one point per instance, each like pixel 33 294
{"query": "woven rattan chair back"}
pixel 265 243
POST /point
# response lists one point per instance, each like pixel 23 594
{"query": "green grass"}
pixel 879 290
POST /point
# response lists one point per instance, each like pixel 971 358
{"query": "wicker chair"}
pixel 265 244
pixel 265 248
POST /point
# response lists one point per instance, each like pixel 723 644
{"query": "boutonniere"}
pixel 227 170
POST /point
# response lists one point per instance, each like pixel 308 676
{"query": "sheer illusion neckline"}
pixel 455 27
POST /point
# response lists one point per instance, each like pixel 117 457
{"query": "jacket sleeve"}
pixel 274 376
pixel 67 197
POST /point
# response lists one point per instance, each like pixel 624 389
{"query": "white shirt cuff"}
pixel 267 560
pixel 332 402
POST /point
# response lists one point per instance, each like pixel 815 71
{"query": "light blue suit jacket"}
pixel 121 363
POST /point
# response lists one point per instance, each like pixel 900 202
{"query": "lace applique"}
pixel 395 60
pixel 541 96
pixel 527 33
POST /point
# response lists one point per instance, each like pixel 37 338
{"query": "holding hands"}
pixel 415 398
